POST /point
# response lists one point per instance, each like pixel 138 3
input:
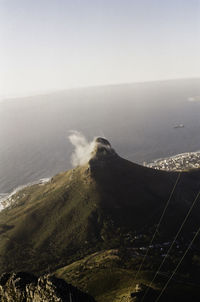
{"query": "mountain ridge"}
pixel 90 208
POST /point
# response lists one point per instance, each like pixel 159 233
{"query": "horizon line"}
pixel 59 90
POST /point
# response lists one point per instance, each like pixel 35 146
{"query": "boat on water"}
pixel 178 126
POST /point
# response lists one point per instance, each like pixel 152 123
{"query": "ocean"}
pixel 142 122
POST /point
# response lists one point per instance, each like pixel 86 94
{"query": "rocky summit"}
pixel 102 150
pixel 24 287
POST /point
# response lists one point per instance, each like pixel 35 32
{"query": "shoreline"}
pixel 159 163
pixel 7 196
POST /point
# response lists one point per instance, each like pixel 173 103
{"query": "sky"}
pixel 48 45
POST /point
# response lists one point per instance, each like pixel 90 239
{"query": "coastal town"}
pixel 179 162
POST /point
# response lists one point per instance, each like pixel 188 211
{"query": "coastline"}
pixel 7 197
pixel 166 163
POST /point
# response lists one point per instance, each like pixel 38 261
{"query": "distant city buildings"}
pixel 180 162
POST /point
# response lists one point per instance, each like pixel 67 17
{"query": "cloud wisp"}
pixel 83 148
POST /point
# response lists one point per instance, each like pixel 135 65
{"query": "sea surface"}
pixel 140 121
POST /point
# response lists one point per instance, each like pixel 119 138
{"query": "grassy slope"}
pixel 100 274
pixel 82 211
pixel 105 276
pixel 49 221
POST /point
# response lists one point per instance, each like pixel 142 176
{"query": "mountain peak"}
pixel 103 141
pixel 102 149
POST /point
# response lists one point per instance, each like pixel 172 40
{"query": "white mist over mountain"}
pixel 83 148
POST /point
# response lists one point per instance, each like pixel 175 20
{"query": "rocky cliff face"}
pixel 102 150
pixel 24 287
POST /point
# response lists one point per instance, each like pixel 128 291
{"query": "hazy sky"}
pixel 57 44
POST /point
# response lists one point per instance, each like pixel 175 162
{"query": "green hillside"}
pixel 102 205
pixel 109 277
